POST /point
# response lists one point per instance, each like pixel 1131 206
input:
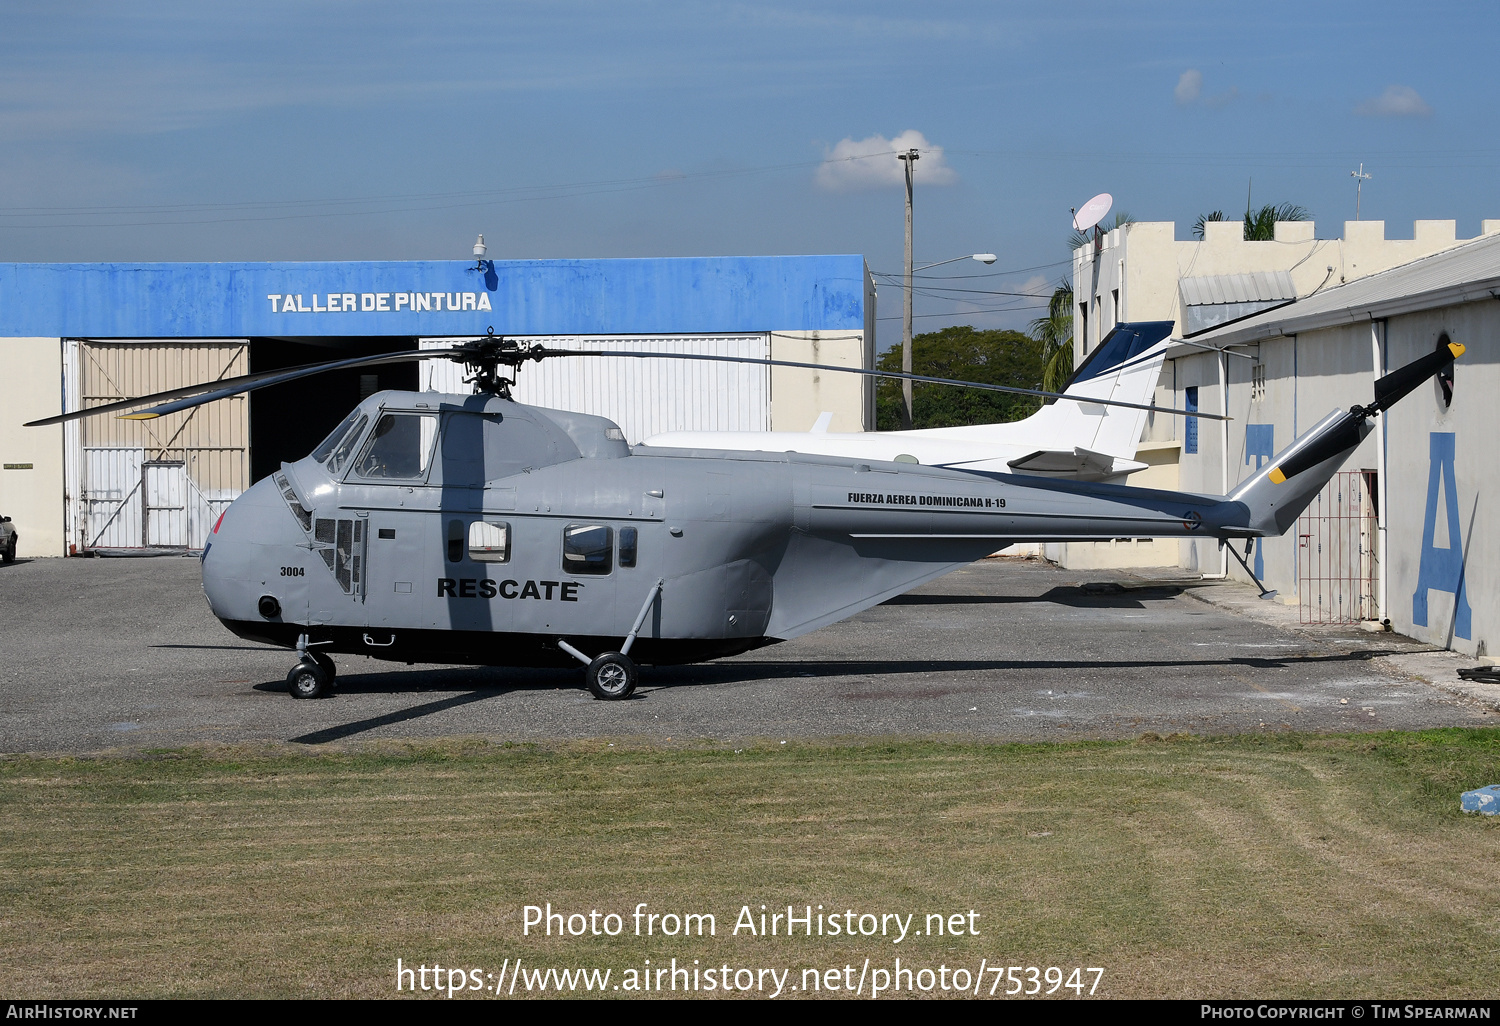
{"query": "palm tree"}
pixel 1055 333
pixel 1217 215
pixel 1260 226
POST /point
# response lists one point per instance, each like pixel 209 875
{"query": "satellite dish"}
pixel 1092 212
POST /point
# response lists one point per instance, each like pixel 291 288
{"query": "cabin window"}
pixel 588 549
pixel 346 446
pixel 489 543
pixel 399 448
pixel 627 546
pixel 455 541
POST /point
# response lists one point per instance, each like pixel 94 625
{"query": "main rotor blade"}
pixel 883 374
pixel 1399 383
pixel 189 396
pixel 209 391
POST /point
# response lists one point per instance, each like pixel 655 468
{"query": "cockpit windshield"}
pixel 346 446
pixel 325 447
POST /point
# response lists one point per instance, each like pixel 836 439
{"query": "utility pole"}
pixel 909 158
pixel 1359 181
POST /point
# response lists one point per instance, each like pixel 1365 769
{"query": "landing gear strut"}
pixel 612 676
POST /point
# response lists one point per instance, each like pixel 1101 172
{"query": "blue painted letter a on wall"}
pixel 1442 569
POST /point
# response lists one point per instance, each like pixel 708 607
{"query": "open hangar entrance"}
pixel 81 335
pixel 287 420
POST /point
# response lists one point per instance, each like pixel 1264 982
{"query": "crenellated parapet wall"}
pixel 1134 272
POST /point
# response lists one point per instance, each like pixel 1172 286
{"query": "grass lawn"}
pixel 1262 866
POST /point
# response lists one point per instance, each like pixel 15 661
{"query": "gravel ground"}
pixel 123 653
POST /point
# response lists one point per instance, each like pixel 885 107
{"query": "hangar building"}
pixel 79 335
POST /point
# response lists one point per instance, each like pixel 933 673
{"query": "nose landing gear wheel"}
pixel 308 680
pixel 611 676
pixel 326 662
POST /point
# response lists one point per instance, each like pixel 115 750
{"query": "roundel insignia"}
pixel 1193 520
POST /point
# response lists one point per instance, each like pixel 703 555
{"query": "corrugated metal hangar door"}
pixel 644 397
pixel 158 484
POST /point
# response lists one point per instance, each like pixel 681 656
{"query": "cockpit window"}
pixel 325 447
pixel 346 446
pixel 399 448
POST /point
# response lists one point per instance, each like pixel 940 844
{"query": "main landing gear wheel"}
pixel 611 676
pixel 308 680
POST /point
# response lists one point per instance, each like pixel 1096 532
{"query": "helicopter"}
pixel 472 529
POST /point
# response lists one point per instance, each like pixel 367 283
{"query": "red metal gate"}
pixel 1338 552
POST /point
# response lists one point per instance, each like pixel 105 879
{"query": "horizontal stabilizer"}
pixel 1076 462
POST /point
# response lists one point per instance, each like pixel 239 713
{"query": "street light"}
pixel 983 258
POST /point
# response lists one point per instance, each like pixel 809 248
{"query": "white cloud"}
pixel 871 163
pixel 1189 86
pixel 1189 92
pixel 1398 101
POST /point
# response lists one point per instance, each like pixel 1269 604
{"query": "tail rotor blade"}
pixel 1350 430
pixel 1342 436
pixel 1401 381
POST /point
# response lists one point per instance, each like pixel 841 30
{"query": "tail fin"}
pixel 1124 367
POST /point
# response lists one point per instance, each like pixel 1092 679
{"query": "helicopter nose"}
pixel 242 558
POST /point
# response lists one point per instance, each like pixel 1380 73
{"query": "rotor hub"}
pixel 484 358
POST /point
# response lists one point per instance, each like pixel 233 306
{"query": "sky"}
pixel 343 130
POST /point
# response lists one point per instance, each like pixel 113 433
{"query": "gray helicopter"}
pixel 471 529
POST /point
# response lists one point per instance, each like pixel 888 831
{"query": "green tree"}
pixel 1217 215
pixel 1260 225
pixel 994 357
pixel 1054 333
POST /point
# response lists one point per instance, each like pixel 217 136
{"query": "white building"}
pixel 1407 533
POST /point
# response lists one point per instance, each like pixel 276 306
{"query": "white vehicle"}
pixel 1070 438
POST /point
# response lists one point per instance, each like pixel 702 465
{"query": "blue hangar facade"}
pixel 80 334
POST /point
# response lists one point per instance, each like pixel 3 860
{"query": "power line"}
pixel 966 313
pixel 934 290
pixel 983 274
